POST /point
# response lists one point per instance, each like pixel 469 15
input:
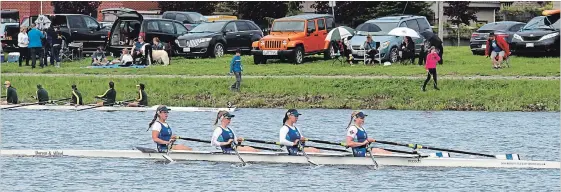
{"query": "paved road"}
pixel 290 76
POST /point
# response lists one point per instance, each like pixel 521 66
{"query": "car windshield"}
pixel 375 28
pixel 542 22
pixel 197 17
pixel 208 27
pixel 493 26
pixel 288 26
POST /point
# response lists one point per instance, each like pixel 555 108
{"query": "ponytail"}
pixel 153 120
pixel 353 115
pixel 218 116
pixel 285 118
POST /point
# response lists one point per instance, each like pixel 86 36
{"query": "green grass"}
pixel 458 61
pixel 401 94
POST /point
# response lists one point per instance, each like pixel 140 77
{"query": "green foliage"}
pixel 203 7
pixel 460 12
pixel 401 94
pixel 353 13
pixel 523 13
pixel 76 7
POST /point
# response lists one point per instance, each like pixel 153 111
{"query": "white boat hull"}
pixel 273 157
pixel 113 108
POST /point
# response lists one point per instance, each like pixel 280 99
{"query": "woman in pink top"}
pixel 432 59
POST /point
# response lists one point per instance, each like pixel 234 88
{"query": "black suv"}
pixel 77 28
pixel 189 19
pixel 130 25
pixel 215 38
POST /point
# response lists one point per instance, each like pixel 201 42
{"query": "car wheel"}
pixel 257 59
pixel 218 50
pixel 298 57
pixel 329 53
pixel 394 55
pixel 474 53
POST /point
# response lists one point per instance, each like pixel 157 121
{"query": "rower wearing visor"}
pixel 76 96
pixel 292 137
pixel 357 138
pixel 161 131
pixel 142 99
pixel 224 137
pixel 109 96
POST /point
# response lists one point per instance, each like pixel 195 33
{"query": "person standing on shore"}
pixel 23 42
pixel 35 45
pixel 432 59
pixel 11 94
pixel 76 96
pixel 42 95
pixel 236 68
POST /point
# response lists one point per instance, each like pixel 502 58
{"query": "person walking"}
pixel 23 42
pixel 236 68
pixel 35 45
pixel 432 59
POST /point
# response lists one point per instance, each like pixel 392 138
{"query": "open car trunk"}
pixel 10 28
pixel 124 32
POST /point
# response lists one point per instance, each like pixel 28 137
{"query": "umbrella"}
pixel 339 33
pixel 42 22
pixel 432 38
pixel 404 31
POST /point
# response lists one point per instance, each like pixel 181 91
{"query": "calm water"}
pixel 533 135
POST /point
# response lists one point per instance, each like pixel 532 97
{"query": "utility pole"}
pixel 440 20
pixel 332 5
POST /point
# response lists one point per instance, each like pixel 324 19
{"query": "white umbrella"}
pixel 42 22
pixel 404 31
pixel 339 33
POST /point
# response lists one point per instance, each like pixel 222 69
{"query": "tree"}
pixel 257 11
pixel 202 7
pixel 76 7
pixel 460 12
pixel 366 10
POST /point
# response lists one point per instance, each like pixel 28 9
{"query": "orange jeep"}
pixel 295 36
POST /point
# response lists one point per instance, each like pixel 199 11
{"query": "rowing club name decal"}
pixel 49 153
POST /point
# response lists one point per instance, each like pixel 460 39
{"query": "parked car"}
pixel 9 29
pixel 215 38
pixel 294 37
pixel 77 28
pixel 130 25
pixel 505 29
pixel 189 19
pixel 211 18
pixel 110 15
pixel 538 35
pixel 379 29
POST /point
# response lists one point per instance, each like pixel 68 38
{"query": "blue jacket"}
pixel 236 64
pixel 35 37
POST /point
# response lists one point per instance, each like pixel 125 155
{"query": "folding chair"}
pixel 338 48
pixel 65 53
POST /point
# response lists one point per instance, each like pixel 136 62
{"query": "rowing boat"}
pixel 283 157
pixel 113 108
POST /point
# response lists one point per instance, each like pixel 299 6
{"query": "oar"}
pixel 327 142
pixel 417 146
pixel 263 148
pixel 166 156
pixel 208 141
pixel 42 102
pixel 103 105
pixel 234 146
pixel 260 141
pixel 369 149
pixel 301 148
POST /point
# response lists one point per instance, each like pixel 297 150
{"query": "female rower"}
pixel 161 131
pixel 357 138
pixel 290 136
pixel 223 136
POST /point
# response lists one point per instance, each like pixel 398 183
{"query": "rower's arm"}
pixel 156 139
pixel 215 136
pixel 139 95
pixel 77 98
pixel 105 94
pixel 351 134
pixel 282 137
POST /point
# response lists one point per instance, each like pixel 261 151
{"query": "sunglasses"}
pixel 164 111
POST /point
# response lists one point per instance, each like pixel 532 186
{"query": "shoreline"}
pixel 308 93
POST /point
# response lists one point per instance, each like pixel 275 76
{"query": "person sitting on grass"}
pixel 98 58
pixel 124 60
pixel 141 49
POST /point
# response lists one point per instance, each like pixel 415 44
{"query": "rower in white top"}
pixel 224 137
pixel 290 136
pixel 357 138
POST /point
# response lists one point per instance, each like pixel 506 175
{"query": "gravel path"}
pixel 293 76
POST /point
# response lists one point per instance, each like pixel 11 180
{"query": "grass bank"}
pixel 402 94
pixel 458 61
